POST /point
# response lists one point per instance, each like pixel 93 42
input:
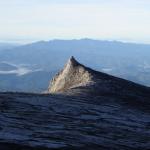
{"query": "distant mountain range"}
pixel 4 46
pixel 126 60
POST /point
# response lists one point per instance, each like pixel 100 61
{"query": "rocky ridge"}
pixel 77 79
pixel 73 75
pixel 84 109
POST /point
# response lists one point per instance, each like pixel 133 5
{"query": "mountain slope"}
pixel 87 110
pixel 76 78
pixel 30 121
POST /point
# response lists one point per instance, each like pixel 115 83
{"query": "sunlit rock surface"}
pixel 73 75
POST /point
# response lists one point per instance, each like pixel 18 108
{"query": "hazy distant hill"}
pixel 126 60
pixel 4 46
pixel 32 82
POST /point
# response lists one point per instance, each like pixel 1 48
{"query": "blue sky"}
pixel 32 20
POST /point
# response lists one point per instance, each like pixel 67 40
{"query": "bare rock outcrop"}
pixel 73 75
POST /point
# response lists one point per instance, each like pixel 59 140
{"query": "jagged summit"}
pixel 73 75
pixel 72 61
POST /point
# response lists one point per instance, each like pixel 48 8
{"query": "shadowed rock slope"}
pixel 87 110
pixel 77 79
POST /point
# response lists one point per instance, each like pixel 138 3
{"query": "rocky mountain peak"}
pixel 77 79
pixel 71 64
pixel 73 75
pixel 72 61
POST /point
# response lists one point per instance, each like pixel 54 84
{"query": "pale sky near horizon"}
pixel 33 20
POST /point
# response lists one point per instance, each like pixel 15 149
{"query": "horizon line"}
pixel 25 42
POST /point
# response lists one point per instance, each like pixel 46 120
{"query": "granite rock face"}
pixel 73 75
